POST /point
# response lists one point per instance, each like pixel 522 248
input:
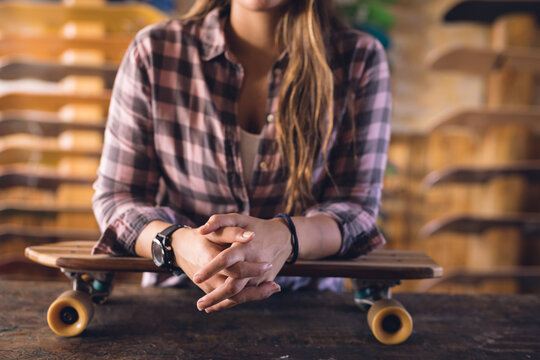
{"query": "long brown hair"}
pixel 304 119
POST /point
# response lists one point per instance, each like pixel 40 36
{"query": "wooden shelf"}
pixel 483 61
pixel 487 11
pixel 472 277
pixel 529 224
pixel 474 174
pixel 482 118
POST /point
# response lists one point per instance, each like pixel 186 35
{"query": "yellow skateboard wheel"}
pixel 70 313
pixel 389 321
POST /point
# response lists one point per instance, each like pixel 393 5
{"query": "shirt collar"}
pixel 212 34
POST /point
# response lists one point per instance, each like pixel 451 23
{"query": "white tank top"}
pixel 249 143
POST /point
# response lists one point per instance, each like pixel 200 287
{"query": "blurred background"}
pixel 463 177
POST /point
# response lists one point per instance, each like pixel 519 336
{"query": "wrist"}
pixel 293 239
pixel 178 239
pixel 284 235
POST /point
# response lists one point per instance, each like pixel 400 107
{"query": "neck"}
pixel 252 34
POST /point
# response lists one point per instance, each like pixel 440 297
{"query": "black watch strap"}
pixel 169 230
pixel 165 238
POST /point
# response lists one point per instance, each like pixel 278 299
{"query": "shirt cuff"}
pixel 119 237
pixel 359 231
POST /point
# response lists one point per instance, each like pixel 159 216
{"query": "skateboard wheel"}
pixel 70 313
pixel 389 321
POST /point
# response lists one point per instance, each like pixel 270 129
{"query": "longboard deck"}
pixel 483 61
pixel 49 102
pixel 23 207
pixel 51 48
pixel 39 234
pixel 482 118
pixel 529 224
pixel 19 124
pixel 50 17
pixel 41 155
pixel 487 11
pixel 12 68
pixel 529 169
pixel 379 264
pixel 12 176
pixel 53 71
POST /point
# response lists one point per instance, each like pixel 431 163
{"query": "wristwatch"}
pixel 162 251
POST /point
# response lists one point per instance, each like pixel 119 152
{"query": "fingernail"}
pixel 247 234
pixel 197 278
pixel 201 305
pixel 267 266
pixel 277 288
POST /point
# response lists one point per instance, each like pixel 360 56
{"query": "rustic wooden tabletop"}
pixel 155 323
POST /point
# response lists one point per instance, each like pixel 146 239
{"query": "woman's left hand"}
pixel 270 244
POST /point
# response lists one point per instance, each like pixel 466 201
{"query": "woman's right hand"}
pixel 193 251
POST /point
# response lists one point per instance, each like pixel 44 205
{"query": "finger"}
pixel 244 269
pixel 229 234
pixel 250 293
pixel 228 289
pixel 221 220
pixel 223 260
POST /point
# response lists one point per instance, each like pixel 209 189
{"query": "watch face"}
pixel 158 255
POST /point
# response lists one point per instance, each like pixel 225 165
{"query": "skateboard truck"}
pixel 71 312
pixel 388 319
pixel 96 284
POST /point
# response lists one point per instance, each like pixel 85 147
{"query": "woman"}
pixel 243 110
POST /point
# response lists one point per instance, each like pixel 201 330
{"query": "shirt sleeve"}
pixel 359 154
pixel 124 201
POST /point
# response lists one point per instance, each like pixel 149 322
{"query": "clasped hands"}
pixel 234 258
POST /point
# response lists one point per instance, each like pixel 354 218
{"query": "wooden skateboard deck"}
pixel 529 224
pixel 474 174
pixel 106 52
pixel 30 213
pixel 487 11
pixel 375 274
pixel 17 122
pixel 39 234
pixel 482 118
pixel 45 154
pixel 11 176
pixel 49 18
pixel 54 72
pixel 380 264
pixel 483 61
pixel 49 102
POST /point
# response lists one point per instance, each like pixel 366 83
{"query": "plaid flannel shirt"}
pixel 171 149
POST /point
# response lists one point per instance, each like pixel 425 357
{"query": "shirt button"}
pixel 270 118
pixel 263 165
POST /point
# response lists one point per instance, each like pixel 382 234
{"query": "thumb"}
pixel 215 222
pixel 230 234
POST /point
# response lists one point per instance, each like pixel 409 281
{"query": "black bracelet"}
pixel 294 237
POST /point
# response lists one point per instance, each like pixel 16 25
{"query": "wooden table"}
pixel 156 323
